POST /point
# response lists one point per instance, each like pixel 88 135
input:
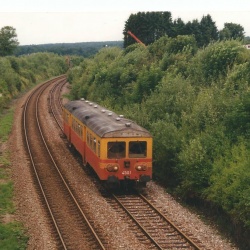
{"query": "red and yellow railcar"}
pixel 116 148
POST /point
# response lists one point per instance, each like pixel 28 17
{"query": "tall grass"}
pixel 12 237
pixel 6 121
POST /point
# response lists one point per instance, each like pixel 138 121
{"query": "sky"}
pixel 71 21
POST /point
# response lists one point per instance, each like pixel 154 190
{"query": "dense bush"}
pixel 18 73
pixel 229 182
pixel 216 61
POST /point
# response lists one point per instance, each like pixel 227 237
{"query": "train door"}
pixel 67 125
pixel 84 137
pixel 69 131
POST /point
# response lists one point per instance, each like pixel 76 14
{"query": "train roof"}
pixel 103 122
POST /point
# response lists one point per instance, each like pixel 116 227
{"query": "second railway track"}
pixel 72 230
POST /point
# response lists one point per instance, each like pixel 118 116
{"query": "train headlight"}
pixel 141 167
pixel 112 167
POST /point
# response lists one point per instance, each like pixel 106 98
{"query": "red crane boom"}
pixel 136 38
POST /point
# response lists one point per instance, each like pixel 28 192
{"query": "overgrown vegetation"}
pixel 20 73
pixel 12 237
pixel 196 103
pixel 5 125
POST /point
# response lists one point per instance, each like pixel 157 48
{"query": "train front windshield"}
pixel 137 149
pixel 116 150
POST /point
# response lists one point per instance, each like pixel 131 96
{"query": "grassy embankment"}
pixel 12 233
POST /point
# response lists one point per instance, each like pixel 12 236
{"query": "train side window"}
pixel 116 150
pixel 66 117
pixel 78 129
pixel 94 144
pixel 137 149
pixel 75 125
pixel 88 138
pixel 91 141
pixel 98 148
pixel 83 133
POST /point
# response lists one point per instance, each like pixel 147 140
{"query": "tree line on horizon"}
pixel 85 49
pixel 150 26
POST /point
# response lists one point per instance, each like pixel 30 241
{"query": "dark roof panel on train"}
pixel 103 122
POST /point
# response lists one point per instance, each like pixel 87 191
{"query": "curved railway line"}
pixel 72 228
pixel 70 224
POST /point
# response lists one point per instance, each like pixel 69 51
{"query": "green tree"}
pixel 193 28
pixel 8 40
pixel 230 182
pixel 147 80
pixel 208 30
pixel 232 31
pixel 148 27
pixel 216 61
pixel 204 31
pixel 179 27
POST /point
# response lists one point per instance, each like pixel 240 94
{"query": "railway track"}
pixel 71 227
pixel 151 226
pixel 160 232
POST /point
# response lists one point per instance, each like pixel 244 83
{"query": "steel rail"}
pixel 137 222
pixel 183 235
pixel 43 86
pixel 53 99
pixel 190 241
pixel 67 187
